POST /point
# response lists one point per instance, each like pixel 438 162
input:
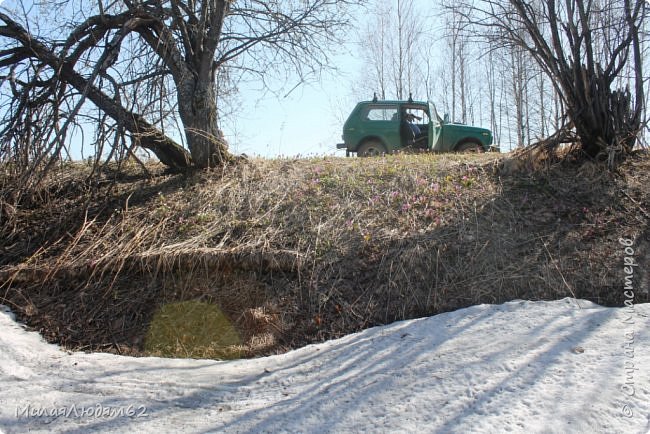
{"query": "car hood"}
pixel 469 128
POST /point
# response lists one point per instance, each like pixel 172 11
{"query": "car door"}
pixel 382 121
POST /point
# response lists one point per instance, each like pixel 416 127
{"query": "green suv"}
pixel 378 127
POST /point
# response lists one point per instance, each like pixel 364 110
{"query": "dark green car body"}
pixel 376 127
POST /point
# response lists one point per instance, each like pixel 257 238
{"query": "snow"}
pixel 522 366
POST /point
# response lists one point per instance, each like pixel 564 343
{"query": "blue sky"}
pixel 308 121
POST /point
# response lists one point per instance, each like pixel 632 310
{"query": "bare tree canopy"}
pixel 137 68
pixel 591 50
pixel 392 50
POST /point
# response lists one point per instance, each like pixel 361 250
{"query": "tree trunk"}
pixel 609 124
pixel 198 111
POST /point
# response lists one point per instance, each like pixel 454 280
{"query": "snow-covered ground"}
pixel 519 367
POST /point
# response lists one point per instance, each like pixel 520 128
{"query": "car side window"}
pixel 382 114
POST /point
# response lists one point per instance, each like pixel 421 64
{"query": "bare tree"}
pixel 519 86
pixel 374 46
pixel 405 48
pixel 146 66
pixel 462 58
pixel 455 41
pixel 492 95
pixel 584 69
pixel 392 48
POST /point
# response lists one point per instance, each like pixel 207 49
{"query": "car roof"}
pixel 396 101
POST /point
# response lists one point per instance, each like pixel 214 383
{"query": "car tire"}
pixel 469 146
pixel 371 148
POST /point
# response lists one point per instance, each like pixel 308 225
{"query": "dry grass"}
pixel 297 251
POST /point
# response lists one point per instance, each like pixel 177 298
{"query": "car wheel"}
pixel 469 147
pixel 371 149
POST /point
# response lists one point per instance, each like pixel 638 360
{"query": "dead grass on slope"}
pixel 298 251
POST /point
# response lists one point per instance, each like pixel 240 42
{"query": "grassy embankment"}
pixel 274 254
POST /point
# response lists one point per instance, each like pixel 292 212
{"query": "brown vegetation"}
pixel 298 251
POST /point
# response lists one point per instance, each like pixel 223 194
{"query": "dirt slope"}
pixel 297 251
